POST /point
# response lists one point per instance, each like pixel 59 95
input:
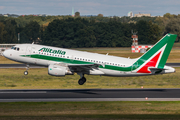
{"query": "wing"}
pixel 83 67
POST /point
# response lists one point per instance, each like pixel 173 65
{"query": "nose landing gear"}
pixel 26 72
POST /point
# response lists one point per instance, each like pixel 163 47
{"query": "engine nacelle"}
pixel 56 70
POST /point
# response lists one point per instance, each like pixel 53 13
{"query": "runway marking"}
pixel 89 99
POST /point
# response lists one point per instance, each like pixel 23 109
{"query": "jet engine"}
pixel 57 70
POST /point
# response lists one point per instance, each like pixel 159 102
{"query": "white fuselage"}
pixel 46 55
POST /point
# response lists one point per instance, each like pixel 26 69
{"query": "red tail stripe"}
pixel 151 63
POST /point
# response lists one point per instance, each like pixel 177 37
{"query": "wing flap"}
pixel 83 67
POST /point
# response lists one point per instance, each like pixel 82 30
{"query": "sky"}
pixel 90 7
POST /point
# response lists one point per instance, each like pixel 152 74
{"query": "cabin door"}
pixel 28 51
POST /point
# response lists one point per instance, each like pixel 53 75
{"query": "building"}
pixel 141 15
pixel 130 14
pixel 140 48
pixel 73 12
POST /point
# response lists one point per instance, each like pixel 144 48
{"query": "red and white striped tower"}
pixel 135 42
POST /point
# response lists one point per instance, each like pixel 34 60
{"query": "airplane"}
pixel 61 61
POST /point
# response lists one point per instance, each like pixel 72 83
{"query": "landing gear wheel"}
pixel 82 81
pixel 25 72
pixel 27 67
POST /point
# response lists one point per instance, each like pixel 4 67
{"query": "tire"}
pixel 82 81
pixel 25 72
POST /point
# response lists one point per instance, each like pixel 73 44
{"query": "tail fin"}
pixel 157 56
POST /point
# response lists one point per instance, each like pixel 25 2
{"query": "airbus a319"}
pixel 61 62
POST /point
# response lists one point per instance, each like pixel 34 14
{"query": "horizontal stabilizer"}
pixel 156 70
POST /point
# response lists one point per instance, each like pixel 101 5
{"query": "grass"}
pixel 4 60
pixel 39 79
pixel 90 110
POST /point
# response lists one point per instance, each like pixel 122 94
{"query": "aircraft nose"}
pixel 6 54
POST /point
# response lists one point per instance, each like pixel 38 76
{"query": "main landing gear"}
pixel 82 80
pixel 26 72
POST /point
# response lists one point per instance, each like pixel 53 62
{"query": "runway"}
pixel 35 66
pixel 47 95
pixel 19 66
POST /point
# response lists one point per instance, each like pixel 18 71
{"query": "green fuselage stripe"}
pixel 70 61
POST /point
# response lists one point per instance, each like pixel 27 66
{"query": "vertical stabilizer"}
pixel 157 56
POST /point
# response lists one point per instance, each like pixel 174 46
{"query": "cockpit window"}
pixel 15 48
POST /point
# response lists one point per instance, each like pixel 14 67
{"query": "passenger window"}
pixel 17 49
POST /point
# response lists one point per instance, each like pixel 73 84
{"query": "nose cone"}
pixel 7 54
pixel 4 53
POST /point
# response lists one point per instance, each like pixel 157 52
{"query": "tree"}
pixel 77 14
pixel 173 27
pixel 100 15
pixel 2 32
pixel 31 32
pixel 148 33
pixel 11 28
